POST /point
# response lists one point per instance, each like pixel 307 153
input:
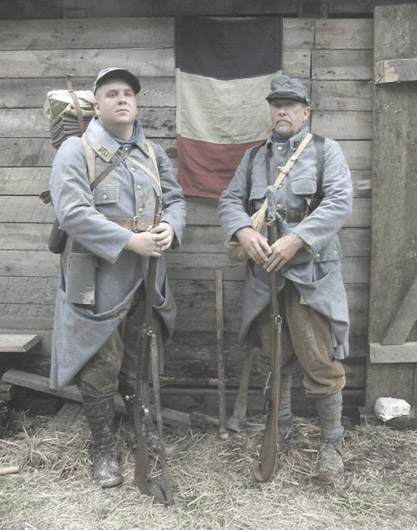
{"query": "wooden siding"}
pixel 333 56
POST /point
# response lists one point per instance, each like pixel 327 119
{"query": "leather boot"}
pixel 330 459
pixel 285 416
pixel 152 438
pixel 100 417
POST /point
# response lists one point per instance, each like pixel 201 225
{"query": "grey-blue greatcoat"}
pixel 316 272
pixel 80 330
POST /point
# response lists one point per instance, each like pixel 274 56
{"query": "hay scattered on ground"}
pixel 212 482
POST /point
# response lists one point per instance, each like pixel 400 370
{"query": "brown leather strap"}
pixel 134 224
pixel 76 104
pixel 110 168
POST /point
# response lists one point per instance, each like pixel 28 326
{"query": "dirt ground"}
pixel 212 481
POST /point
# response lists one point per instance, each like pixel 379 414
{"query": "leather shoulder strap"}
pixel 319 145
pixel 249 167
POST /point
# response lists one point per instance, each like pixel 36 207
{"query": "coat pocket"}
pixel 108 194
pixel 304 186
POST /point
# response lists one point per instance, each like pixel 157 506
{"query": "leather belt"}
pixel 134 224
pixel 290 215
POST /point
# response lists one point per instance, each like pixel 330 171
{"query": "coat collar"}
pixel 293 142
pixel 105 145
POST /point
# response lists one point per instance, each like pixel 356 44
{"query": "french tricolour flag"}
pixel 224 69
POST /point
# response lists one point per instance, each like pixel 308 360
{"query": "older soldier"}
pixel 307 256
pixel 105 261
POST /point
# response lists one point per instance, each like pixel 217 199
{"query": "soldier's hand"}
pixel 283 250
pixel 164 234
pixel 255 244
pixel 145 244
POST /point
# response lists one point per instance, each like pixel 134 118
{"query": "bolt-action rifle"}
pixel 264 467
pixel 147 346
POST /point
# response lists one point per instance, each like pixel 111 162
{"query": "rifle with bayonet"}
pixel 264 467
pixel 147 346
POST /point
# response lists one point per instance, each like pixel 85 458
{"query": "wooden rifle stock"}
pixel 142 480
pixel 147 346
pixel 264 468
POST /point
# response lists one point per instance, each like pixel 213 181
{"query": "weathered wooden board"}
pixel 30 123
pixel 158 32
pixel 197 239
pixel 195 300
pixel 346 34
pixel 30 209
pixel 393 353
pixel 39 152
pixel 342 64
pixel 343 125
pixel 358 153
pixel 82 34
pixel 396 71
pixel 24 180
pixel 341 95
pixel 34 263
pixel 394 245
pixel 81 63
pixel 47 9
pixel 155 91
pixel 18 343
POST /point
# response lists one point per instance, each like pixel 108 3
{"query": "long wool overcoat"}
pixel 81 329
pixel 316 272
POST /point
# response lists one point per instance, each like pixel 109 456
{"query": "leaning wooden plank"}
pixel 40 383
pixel 404 319
pixel 18 343
pixel 396 71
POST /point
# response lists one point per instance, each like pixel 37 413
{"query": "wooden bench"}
pixel 18 343
pixel 15 344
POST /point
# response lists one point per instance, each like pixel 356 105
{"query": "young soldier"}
pixel 110 239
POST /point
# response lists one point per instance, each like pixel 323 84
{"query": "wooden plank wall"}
pixel 333 55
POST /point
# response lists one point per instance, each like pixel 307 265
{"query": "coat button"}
pixel 140 210
pixel 139 187
pixel 132 169
pixel 335 252
pixel 280 148
pixel 104 196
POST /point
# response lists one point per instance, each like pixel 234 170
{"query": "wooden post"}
pixel 394 221
pixel 220 353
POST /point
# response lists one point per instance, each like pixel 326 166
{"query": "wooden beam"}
pixel 40 383
pixel 404 319
pixel 396 71
pixel 18 343
pixel 395 353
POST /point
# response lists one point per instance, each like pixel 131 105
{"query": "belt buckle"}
pixel 135 224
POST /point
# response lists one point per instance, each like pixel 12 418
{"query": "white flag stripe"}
pixel 223 112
